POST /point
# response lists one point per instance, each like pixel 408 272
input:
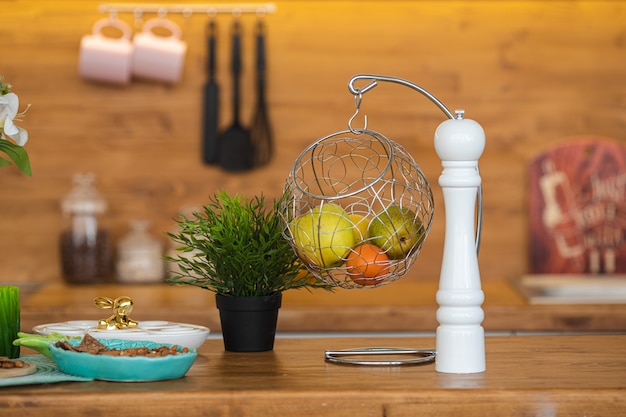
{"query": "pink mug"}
pixel 156 57
pixel 104 58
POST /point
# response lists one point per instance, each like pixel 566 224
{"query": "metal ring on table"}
pixel 423 356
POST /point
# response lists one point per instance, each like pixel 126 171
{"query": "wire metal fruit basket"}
pixel 355 190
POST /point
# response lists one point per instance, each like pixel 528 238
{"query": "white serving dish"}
pixel 188 335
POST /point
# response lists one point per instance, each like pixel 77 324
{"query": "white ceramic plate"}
pixel 188 335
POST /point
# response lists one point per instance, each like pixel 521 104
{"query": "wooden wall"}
pixel 531 72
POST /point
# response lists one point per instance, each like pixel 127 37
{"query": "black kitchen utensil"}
pixel 235 145
pixel 210 142
pixel 261 129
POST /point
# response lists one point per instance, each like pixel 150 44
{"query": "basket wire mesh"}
pixel 352 189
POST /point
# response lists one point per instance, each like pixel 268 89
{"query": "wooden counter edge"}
pixel 351 402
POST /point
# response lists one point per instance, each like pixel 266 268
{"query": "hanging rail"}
pixel 188 9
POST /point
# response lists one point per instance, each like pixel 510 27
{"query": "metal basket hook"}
pixel 375 78
pixel 358 97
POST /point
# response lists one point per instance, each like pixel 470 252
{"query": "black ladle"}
pixel 261 129
pixel 235 143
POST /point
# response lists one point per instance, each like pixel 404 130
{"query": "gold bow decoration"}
pixel 122 307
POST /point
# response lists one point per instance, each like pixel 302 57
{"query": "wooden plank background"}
pixel 533 73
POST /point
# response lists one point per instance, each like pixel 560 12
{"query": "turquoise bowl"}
pixel 123 368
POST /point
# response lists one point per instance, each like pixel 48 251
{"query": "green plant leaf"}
pixel 17 154
pixel 234 246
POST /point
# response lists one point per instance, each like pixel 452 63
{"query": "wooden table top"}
pixel 526 376
pixel 403 306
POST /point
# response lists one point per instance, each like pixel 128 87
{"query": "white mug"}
pixel 158 57
pixel 104 58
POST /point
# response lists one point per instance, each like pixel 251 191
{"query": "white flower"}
pixel 12 151
pixel 9 104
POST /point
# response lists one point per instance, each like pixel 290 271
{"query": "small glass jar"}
pixel 140 256
pixel 85 242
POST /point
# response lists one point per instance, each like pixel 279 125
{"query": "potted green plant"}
pixel 234 247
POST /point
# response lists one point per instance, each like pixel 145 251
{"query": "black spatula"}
pixel 210 148
pixel 235 144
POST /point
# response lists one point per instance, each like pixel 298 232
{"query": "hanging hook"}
pixel 375 78
pixel 112 14
pixel 358 97
pixel 187 12
pixel 138 17
pixel 260 22
pixel 355 90
pixel 261 12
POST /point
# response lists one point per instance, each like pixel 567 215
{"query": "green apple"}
pixel 323 236
pixel 396 230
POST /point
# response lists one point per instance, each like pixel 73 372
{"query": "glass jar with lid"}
pixel 85 242
pixel 140 256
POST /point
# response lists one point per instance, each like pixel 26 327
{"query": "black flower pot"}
pixel 248 323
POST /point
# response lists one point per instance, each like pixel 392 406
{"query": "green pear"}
pixel 323 236
pixel 396 230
